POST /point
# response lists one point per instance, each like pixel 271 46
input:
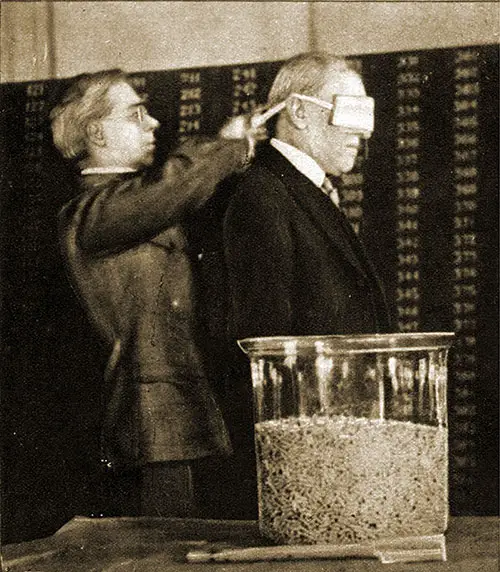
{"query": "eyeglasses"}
pixel 138 115
pixel 352 112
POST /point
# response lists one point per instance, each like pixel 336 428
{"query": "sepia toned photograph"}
pixel 249 286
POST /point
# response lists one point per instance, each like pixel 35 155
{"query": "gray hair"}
pixel 85 101
pixel 305 74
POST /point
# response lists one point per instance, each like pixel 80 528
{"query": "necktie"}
pixel 331 191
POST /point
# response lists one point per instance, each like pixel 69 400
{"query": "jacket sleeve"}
pixel 258 250
pixel 117 216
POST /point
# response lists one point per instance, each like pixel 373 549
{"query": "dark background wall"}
pixel 425 199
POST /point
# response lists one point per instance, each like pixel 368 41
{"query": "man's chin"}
pixel 340 168
pixel 348 166
pixel 147 161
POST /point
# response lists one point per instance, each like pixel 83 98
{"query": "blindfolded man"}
pixel 295 267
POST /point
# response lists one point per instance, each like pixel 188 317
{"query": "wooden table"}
pixel 160 545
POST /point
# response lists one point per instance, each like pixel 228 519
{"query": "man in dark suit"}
pixel 126 253
pixel 294 264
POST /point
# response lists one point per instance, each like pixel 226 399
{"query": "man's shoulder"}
pixel 88 188
pixel 259 177
pixel 259 190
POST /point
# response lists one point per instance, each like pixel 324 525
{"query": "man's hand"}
pixel 243 127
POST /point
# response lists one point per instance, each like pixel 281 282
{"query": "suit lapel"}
pixel 323 214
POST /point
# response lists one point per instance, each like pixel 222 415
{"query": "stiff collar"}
pixel 301 161
pixel 107 170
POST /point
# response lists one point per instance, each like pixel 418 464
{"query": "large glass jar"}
pixel 351 436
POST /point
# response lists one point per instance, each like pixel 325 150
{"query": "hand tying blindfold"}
pixel 352 112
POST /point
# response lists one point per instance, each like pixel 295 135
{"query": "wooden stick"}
pixel 292 552
pixel 409 549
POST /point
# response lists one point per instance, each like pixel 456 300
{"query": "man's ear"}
pixel 95 133
pixel 296 112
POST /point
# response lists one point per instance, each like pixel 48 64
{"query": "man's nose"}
pixel 150 123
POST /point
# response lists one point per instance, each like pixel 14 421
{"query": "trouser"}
pixel 155 489
pixel 211 487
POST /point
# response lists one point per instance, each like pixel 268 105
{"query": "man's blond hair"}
pixel 85 101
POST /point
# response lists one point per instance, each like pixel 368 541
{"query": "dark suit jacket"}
pixel 125 249
pixel 295 266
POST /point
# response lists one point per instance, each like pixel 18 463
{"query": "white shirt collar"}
pixel 301 161
pixel 107 170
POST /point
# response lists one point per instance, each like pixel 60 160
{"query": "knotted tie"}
pixel 331 191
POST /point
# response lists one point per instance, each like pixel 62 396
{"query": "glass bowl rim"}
pixel 356 343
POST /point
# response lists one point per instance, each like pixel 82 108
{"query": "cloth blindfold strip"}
pixel 356 112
